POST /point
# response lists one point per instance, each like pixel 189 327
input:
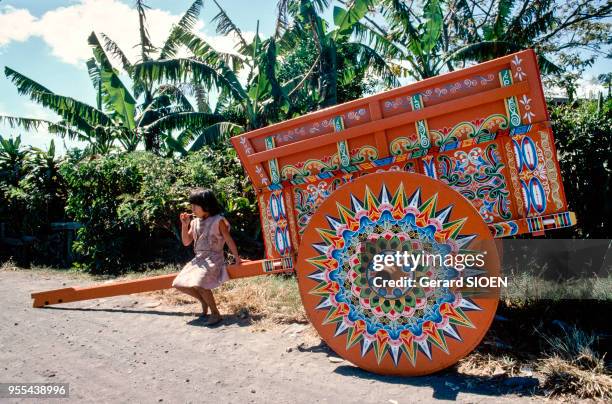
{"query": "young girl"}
pixel 208 231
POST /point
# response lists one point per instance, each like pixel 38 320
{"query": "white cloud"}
pixel 585 88
pixel 15 25
pixel 65 29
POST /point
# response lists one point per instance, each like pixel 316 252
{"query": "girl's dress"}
pixel 208 269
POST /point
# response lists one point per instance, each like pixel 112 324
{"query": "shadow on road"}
pixel 448 384
pixel 197 321
pixel 133 311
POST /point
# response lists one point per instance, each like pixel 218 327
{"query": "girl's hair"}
pixel 205 198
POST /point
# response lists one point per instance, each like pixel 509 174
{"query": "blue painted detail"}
pixel 520 130
pixel 383 161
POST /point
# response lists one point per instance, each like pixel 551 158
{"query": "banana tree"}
pixel 449 33
pixel 13 158
pixel 165 109
pixel 410 40
pixel 117 117
pixel 253 103
pixel 503 31
pixel 78 120
pixel 308 23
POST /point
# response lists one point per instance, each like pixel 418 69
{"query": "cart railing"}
pixel 397 121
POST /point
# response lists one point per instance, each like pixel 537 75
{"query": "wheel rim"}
pixel 400 331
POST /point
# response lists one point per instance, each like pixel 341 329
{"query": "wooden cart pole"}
pixel 128 287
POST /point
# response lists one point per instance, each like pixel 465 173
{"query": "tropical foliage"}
pixel 146 114
pixel 161 120
pixel 129 203
pixel 584 135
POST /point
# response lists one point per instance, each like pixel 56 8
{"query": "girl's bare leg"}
pixel 193 292
pixel 208 297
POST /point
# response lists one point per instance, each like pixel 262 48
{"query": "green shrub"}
pixel 583 135
pixel 95 189
pixel 129 205
pixel 32 196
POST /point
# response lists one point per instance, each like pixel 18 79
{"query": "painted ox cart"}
pixel 437 165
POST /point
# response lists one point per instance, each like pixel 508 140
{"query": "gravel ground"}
pixel 138 348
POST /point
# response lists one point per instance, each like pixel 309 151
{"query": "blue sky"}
pixel 47 41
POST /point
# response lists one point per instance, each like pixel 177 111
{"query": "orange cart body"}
pixel 490 118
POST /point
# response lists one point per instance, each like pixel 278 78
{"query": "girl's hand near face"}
pixel 185 218
pixel 186 236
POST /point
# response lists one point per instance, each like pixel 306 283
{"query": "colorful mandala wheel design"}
pixel 398 330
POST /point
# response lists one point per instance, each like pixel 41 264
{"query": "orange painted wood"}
pixel 304 146
pixel 74 294
pixel 464 95
pixel 411 88
pixel 319 294
pixel 380 136
pixel 128 287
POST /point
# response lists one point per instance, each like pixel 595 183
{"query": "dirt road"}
pixel 134 348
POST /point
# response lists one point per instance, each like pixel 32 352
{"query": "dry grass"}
pixel 567 380
pixel 527 287
pixel 172 297
pixel 574 369
pixel 487 365
pixel 274 299
pixel 266 300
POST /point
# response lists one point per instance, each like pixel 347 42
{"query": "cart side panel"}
pixel 489 173
pixel 482 130
pixel 278 226
pixel 478 172
pixel 485 98
pixel 535 172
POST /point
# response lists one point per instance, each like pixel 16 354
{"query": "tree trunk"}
pixel 328 77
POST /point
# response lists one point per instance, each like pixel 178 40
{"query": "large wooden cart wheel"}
pixel 395 330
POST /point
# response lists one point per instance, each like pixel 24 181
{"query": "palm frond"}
pixel 68 108
pixel 345 19
pixel 398 13
pixel 185 24
pixel 32 124
pixel 146 46
pixel 117 98
pixel 96 79
pixel 268 65
pixel 176 94
pixel 226 26
pixel 485 50
pixel 282 18
pixel 365 34
pixel 369 58
pixel 204 52
pixel 190 70
pixel 214 134
pixel 502 17
pixel 183 120
pixel 117 53
pixel 433 25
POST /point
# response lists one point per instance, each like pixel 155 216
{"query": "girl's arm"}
pixel 223 227
pixel 186 235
